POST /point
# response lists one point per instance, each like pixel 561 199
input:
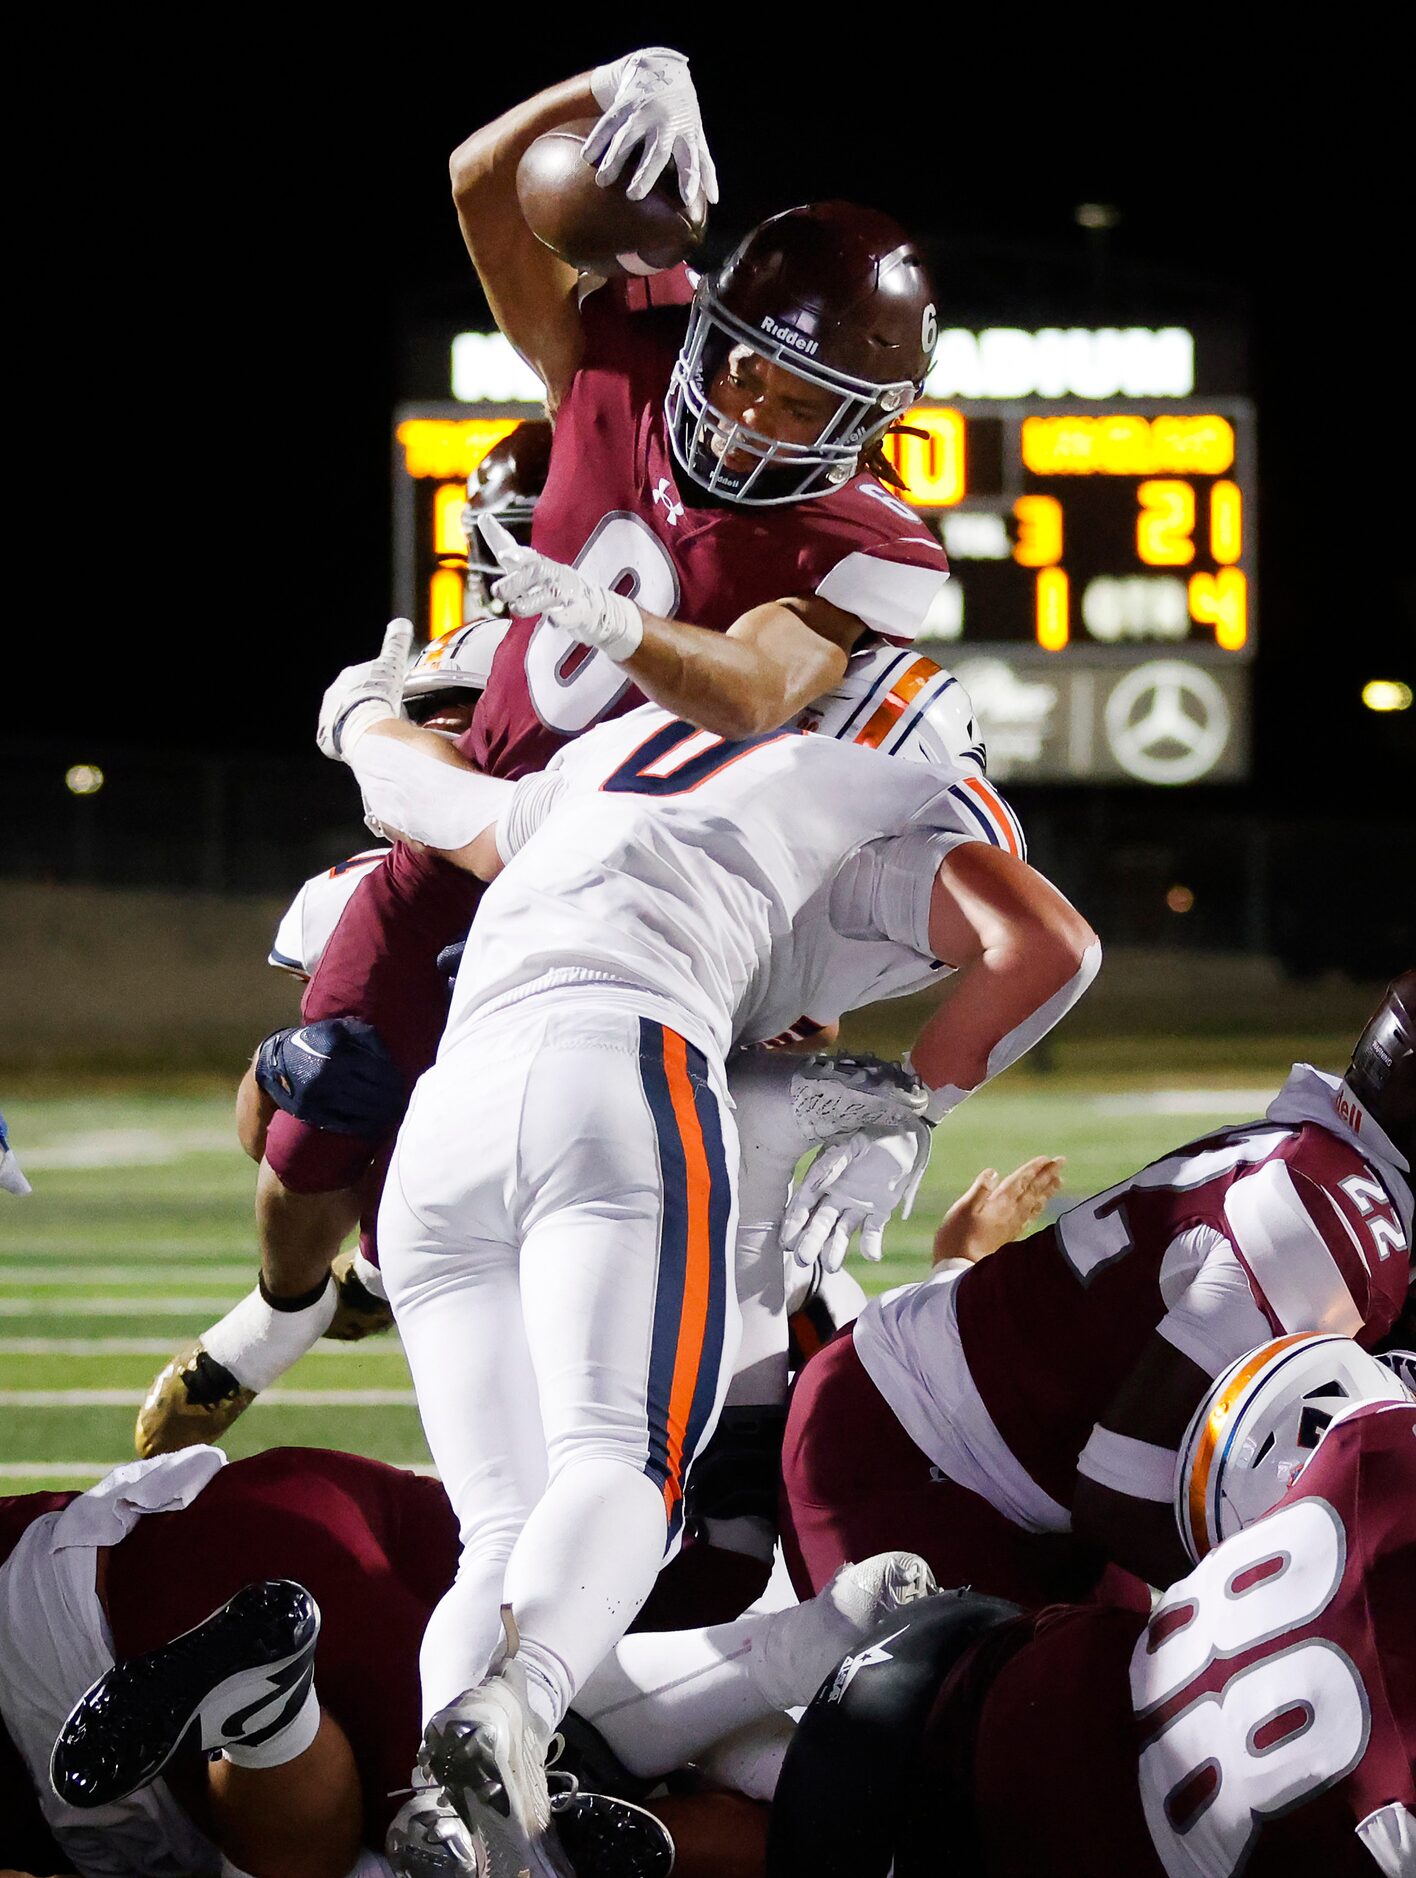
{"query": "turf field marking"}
pixel 95 1470
pixel 129 1147
pixel 268 1398
pixel 111 1307
pixel 37 1275
pixel 1183 1102
pixel 139 1346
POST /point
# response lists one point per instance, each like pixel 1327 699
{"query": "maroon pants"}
pixel 375 1545
pixel 853 1484
pixel 380 965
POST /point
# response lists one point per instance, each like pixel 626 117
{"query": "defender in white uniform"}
pixel 557 1225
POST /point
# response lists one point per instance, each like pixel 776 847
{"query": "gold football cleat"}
pixel 358 1313
pixel 195 1399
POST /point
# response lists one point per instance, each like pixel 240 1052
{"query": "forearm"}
pixel 1000 1002
pixel 740 683
pixel 421 788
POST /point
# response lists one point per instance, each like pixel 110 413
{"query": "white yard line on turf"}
pixel 1242 1102
pixel 36 1275
pixel 193 1245
pixel 112 1307
pixel 268 1398
pixel 142 1346
pixel 95 1470
pixel 130 1147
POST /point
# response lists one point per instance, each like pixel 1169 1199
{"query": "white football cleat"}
pixel 490 1759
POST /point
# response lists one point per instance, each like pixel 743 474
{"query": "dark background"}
pixel 232 248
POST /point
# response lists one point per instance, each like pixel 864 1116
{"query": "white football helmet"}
pixel 1257 1427
pixel 895 700
pixel 458 661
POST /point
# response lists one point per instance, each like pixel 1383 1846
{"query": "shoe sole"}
pixel 600 1833
pixel 125 1729
pixel 480 1771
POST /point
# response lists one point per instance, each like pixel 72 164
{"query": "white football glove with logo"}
pixel 834 1096
pixel 533 583
pixel 854 1186
pixel 649 104
pixel 363 694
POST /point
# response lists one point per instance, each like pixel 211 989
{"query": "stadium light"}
pixel 1386 694
pixel 83 779
pixel 1179 899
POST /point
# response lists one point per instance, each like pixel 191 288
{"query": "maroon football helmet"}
pixel 1382 1073
pixel 835 293
pixel 506 483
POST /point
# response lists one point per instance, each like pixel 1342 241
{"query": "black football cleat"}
pixel 604 1837
pixel 234 1680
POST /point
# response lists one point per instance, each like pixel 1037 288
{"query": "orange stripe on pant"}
pixel 698 1259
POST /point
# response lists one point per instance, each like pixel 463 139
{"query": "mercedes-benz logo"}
pixel 1167 722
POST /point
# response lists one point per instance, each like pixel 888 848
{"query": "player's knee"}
pixel 336 1075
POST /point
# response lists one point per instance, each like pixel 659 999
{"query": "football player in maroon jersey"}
pixel 712 535
pixel 1016 1424
pixel 1263 1719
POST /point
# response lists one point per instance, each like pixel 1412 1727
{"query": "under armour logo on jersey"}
pixel 867 1659
pixel 662 494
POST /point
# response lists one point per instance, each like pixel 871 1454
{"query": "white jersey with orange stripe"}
pixel 659 855
pixel 310 918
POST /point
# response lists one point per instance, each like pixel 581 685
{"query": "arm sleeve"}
pixel 531 801
pixel 1298 1251
pixel 406 789
pixel 1217 1317
pixel 892 596
pixel 883 890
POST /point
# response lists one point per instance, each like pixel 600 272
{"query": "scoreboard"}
pixel 1102 604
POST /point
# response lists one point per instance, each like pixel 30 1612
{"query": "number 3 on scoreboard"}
pixel 1278 1731
pixel 570 687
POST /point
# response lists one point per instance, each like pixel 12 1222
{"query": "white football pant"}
pixel 556 1233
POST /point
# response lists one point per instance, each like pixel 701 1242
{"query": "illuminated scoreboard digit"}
pixel 1101 608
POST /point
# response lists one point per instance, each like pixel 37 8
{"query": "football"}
pixel 600 230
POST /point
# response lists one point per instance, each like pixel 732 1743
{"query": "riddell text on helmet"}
pixel 798 341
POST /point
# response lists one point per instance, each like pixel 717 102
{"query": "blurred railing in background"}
pixel 1171 869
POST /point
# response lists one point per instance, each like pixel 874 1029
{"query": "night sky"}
pixel 230 258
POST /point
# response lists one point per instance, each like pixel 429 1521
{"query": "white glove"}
pixel 834 1096
pixel 11 1179
pixel 363 694
pixel 648 99
pixel 855 1184
pixel 534 583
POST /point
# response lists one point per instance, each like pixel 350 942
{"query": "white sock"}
pixel 369 1276
pixel 258 1344
pixel 283 1746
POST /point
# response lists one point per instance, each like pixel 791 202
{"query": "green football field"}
pixel 138 1234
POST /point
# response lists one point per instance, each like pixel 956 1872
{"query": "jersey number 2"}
pixel 571 687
